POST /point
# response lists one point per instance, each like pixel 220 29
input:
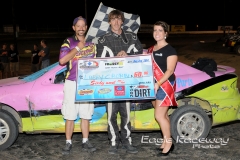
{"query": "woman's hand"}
pixel 156 87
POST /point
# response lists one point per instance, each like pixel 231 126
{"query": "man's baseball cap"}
pixel 79 18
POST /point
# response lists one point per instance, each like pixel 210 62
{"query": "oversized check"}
pixel 114 79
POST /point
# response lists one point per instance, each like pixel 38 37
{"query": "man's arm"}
pixel 64 50
pixel 66 54
pixel 44 52
pixel 41 53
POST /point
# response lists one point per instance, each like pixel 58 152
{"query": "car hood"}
pixel 11 81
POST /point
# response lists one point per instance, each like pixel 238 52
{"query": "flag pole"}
pixel 86 9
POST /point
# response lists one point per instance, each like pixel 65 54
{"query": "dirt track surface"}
pixel 48 146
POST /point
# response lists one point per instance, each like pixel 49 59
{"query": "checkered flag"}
pixel 100 25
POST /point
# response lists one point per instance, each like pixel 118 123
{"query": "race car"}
pixel 32 104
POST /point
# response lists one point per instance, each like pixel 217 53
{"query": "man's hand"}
pixel 122 54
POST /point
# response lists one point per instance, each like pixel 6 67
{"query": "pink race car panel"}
pixel 187 76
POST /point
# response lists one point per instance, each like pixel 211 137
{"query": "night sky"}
pixel 207 14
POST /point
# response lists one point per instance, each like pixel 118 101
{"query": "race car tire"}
pixel 8 130
pixel 237 49
pixel 189 122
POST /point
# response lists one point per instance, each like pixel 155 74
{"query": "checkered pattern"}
pixel 100 25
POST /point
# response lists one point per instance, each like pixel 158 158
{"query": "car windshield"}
pixel 38 74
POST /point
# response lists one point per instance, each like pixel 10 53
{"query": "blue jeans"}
pixel 45 63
